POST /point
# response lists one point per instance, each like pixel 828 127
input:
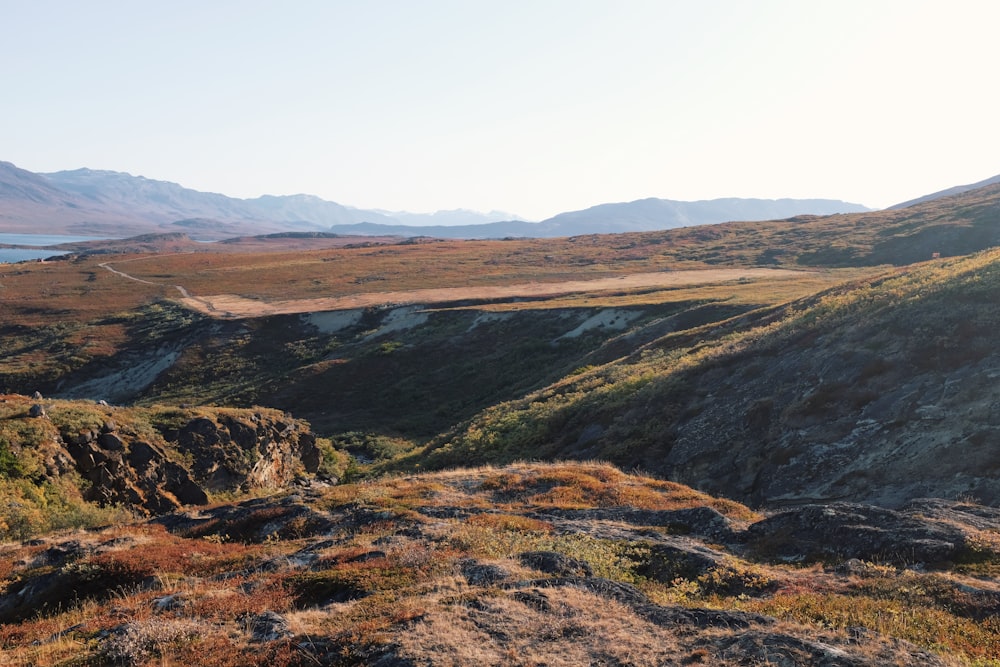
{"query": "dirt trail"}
pixel 234 306
pixel 185 295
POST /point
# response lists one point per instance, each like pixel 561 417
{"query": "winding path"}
pixel 185 295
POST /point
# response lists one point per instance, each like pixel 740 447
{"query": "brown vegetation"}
pixel 529 564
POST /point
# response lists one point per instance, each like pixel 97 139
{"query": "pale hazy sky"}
pixel 528 106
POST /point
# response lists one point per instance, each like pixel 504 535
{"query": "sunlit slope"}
pixel 880 390
pixel 949 226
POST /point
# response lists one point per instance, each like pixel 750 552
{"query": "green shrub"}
pixel 10 464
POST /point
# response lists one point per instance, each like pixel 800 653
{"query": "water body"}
pixel 8 255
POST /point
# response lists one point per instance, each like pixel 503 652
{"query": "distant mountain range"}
pixel 92 202
pixel 115 204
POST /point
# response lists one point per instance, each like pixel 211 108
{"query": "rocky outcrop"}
pixel 851 531
pixel 226 452
pixel 139 475
pixel 230 453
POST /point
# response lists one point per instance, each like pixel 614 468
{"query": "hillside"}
pixel 400 370
pixel 949 191
pixel 29 201
pixel 654 214
pixel 394 363
pixel 531 564
pixel 875 391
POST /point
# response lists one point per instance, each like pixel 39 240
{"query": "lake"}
pixel 8 255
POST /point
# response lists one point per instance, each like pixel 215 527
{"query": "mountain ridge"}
pixel 105 202
pixel 641 215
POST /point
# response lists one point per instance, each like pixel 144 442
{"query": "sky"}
pixel 532 107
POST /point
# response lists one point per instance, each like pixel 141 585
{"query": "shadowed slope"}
pixel 878 391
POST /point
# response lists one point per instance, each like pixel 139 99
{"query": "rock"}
pixel 533 598
pixel 110 442
pixel 234 454
pixel 144 457
pixel 37 396
pixel 58 554
pixel 309 453
pixel 968 515
pixel 678 557
pixel 169 602
pixel 237 453
pixel 555 563
pixel 931 413
pixel 267 626
pixel 179 482
pixel 845 530
pixel 702 618
pixel 482 574
pixel 779 649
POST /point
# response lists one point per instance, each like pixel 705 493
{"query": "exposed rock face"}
pixel 844 530
pixel 230 453
pixel 836 424
pixel 226 453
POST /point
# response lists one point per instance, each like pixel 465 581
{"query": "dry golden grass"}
pixel 580 628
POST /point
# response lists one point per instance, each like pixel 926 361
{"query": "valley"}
pixel 765 442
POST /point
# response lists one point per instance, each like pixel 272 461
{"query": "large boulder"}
pixel 847 530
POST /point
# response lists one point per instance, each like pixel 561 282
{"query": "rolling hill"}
pixel 530 564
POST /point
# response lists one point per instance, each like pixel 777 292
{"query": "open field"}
pixel 85 289
pixel 229 305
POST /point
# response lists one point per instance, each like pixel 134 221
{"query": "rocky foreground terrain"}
pixel 529 564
